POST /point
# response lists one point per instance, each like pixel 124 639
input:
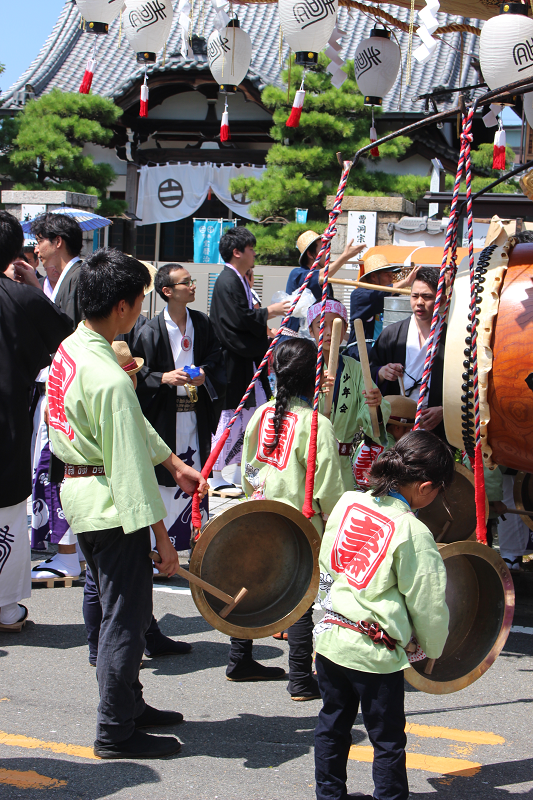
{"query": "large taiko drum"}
pixel 504 277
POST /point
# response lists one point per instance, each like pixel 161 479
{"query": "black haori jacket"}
pixel 242 332
pixel 31 327
pixel 158 402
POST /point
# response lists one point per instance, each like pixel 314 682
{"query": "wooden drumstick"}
pixel 230 601
pixel 371 286
pixel 402 387
pixel 367 377
pixel 517 511
pixel 336 334
pixel 428 669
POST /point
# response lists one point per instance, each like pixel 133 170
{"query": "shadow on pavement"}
pixel 488 783
pixel 91 779
pixel 60 637
pixel 205 655
pixel 172 625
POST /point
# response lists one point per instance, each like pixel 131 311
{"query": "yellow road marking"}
pixel 17 740
pixel 457 735
pixel 442 766
pixel 29 780
pixel 4 698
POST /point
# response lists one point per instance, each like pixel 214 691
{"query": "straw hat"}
pixel 129 363
pixel 304 242
pixel 402 410
pixel 151 269
pixel 378 263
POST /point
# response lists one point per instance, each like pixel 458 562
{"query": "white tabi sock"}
pixel 66 563
pixel 11 614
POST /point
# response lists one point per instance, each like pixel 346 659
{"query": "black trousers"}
pixel 92 615
pixel 300 655
pixel 122 571
pixel 382 706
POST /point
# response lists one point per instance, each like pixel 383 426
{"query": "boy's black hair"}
pixel 294 364
pixel 235 239
pixel 163 278
pixel 50 226
pixel 107 277
pixel 417 457
pixel 11 239
pixel 429 276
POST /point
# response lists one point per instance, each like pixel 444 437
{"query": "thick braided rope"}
pixel 479 478
pixel 327 236
pixel 451 238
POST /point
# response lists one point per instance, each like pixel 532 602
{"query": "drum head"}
pixel 267 547
pixel 460 502
pixel 480 598
pixel 523 495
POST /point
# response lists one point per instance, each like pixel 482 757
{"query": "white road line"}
pixel 178 590
pixel 520 629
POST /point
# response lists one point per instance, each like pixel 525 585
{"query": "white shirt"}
pixel 63 274
pixel 415 356
pixel 182 358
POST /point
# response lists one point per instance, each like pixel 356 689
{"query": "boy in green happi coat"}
pixel 350 410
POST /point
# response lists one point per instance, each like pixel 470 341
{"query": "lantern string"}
pixel 410 44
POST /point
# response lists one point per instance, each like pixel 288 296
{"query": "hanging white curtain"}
pixel 175 191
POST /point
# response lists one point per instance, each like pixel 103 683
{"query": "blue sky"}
pixel 26 24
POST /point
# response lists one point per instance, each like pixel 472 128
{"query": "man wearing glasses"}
pixel 182 378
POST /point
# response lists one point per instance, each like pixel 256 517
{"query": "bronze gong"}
pixel 459 502
pixel 272 550
pixel 480 598
pixel 523 495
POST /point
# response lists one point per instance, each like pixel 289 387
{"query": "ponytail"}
pixel 417 457
pixel 295 366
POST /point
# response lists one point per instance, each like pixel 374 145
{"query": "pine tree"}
pixel 43 145
pixel 302 167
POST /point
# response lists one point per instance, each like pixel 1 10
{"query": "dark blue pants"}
pixel 122 571
pixel 92 616
pixel 382 706
pixel 300 655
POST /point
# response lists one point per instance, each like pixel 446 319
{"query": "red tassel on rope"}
pixel 297 107
pixel 225 134
pixel 479 489
pixel 143 110
pixel 498 156
pixel 196 516
pixel 308 510
pixel 85 85
pixel 374 138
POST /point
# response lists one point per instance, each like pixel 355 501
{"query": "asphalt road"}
pixel 240 741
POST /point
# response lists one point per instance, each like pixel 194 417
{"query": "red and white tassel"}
pixel 225 134
pixel 373 138
pixel 498 154
pixel 143 110
pixel 85 85
pixel 297 108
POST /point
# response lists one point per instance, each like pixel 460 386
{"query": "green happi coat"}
pixel 96 419
pixel 350 413
pixel 379 563
pixel 281 475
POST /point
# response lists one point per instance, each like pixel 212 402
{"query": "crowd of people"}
pixel 109 419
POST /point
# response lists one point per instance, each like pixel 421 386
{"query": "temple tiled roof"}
pixel 62 59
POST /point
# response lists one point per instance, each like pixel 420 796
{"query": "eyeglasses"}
pixel 190 282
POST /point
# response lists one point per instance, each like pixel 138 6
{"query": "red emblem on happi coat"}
pixel 279 457
pixel 361 544
pixel 62 374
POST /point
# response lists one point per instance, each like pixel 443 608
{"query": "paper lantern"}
pixel 99 14
pixel 147 25
pixel 229 52
pixel 505 50
pixel 307 26
pixel 528 108
pixel 376 63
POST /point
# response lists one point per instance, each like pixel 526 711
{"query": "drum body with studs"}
pixel 480 598
pixel 267 547
pixel 504 310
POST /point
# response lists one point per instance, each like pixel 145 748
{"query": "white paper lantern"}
pixel 376 63
pixel 147 25
pixel 99 14
pixel 307 26
pixel 229 52
pixel 528 108
pixel 505 46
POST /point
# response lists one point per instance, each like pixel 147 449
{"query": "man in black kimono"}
pixel 31 328
pixel 183 408
pixel 242 332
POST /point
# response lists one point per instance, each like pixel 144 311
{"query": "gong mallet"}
pixel 230 601
pixel 367 377
pixel 336 334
